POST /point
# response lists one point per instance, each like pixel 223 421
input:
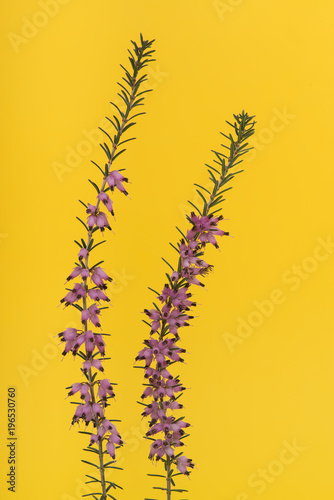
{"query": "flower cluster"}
pixel 161 349
pixel 91 288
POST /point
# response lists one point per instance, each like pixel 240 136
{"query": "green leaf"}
pixel 117 122
pixel 124 91
pixel 95 186
pixel 97 166
pixel 113 124
pixel 95 265
pixel 202 187
pixel 91 494
pixel 77 307
pixel 128 126
pixel 118 154
pixel 168 264
pixel 90 463
pixel 176 249
pixel 97 244
pixel 212 168
pixel 193 205
pixel 120 112
pixel 106 150
pixel 137 114
pixel 82 223
pixel 92 450
pixel 92 477
pixel 179 230
pixel 126 140
pixel 82 203
pixel 106 133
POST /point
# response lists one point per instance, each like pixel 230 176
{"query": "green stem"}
pixel 168 479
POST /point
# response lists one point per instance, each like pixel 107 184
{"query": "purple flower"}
pixel 106 201
pixel 116 179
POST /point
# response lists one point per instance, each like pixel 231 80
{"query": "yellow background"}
pixel 253 389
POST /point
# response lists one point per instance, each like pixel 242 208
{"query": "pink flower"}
pixel 108 426
pixel 91 221
pixel 94 438
pixel 97 218
pixel 105 389
pixel 77 343
pixel 114 438
pixel 100 344
pixel 78 414
pixel 160 448
pixel 96 363
pixel 106 201
pixel 77 271
pixel 91 209
pixel 147 392
pixel 87 413
pixel 75 388
pixel 72 339
pixel 102 221
pixel 85 393
pixel 183 463
pixel 98 410
pixel 68 334
pixel 89 342
pixel 175 276
pixel 111 449
pixel 83 253
pixel 115 179
pixel 189 256
pixel 97 294
pixel 206 227
pixel 76 294
pixel 91 314
pixel 99 276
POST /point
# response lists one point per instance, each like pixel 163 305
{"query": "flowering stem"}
pixel 95 402
pixel 161 352
pixel 84 300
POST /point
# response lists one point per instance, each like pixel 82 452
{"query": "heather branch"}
pixel 96 403
pixel 162 352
